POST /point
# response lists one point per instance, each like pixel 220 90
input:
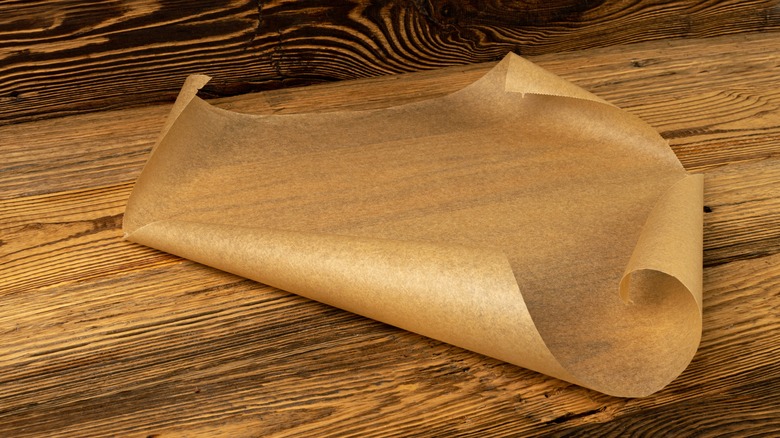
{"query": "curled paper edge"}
pixel 674 225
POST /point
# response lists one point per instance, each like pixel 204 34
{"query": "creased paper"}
pixel 521 217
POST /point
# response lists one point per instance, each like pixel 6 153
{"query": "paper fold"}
pixel 508 218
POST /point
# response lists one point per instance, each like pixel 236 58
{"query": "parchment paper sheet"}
pixel 521 217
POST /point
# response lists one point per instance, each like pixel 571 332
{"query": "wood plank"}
pixel 67 57
pixel 742 218
pixel 99 336
pixel 63 57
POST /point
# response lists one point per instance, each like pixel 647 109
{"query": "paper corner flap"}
pixel 523 76
pixel 134 216
pixel 188 91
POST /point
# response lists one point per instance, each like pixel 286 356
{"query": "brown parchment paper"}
pixel 521 217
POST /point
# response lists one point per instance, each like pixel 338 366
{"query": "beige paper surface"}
pixel 520 217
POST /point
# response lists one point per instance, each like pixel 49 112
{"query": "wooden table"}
pixel 103 337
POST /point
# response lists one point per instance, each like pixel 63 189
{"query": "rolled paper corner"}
pixel 671 238
pixel 664 276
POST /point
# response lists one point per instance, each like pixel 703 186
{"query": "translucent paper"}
pixel 520 217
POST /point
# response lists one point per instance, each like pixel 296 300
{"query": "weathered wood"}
pixel 102 337
pixel 68 57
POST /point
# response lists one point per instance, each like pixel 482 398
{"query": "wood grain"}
pixel 102 337
pixel 69 57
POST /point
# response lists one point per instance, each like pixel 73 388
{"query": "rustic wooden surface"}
pixel 102 337
pixel 60 57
